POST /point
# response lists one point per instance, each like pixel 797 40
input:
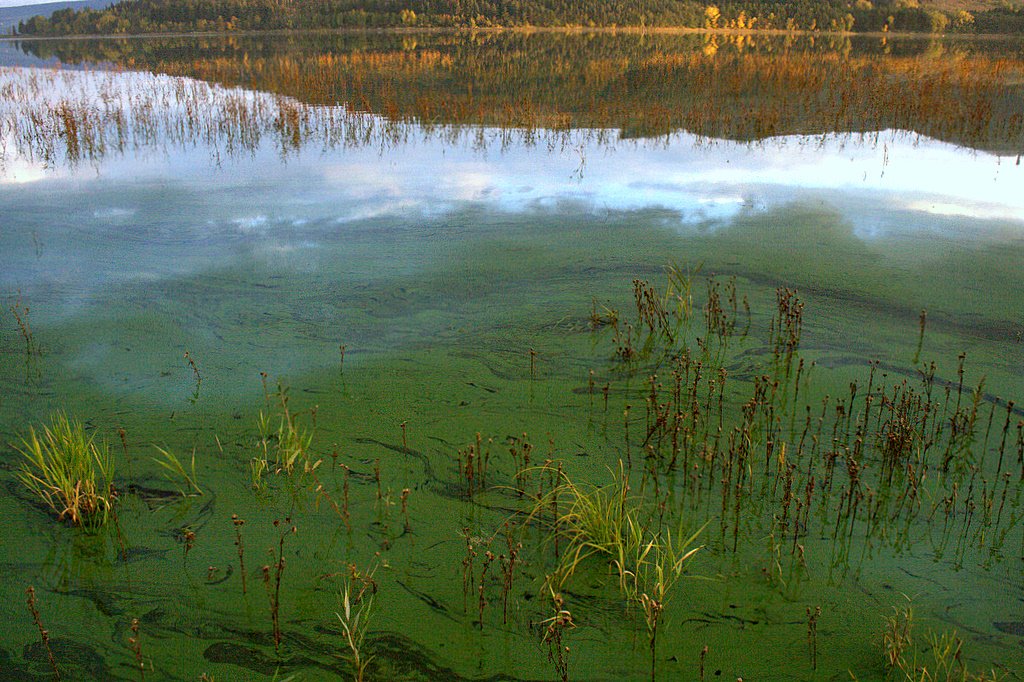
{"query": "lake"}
pixel 487 331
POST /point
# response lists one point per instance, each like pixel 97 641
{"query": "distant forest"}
pixel 153 16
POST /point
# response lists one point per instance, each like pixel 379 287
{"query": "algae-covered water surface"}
pixel 513 357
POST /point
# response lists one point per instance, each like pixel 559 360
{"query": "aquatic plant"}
pixel 508 567
pixel 123 435
pixel 922 321
pixel 606 522
pixel 467 564
pixel 945 663
pixel 175 471
pixel 896 636
pixel 648 578
pixel 404 499
pixel 471 464
pixel 553 633
pixel 68 471
pixel 273 586
pixel 812 634
pixel 285 441
pixel 357 597
pixel 196 375
pixel 44 634
pixel 20 311
pixel 188 540
pixel 238 523
pixel 135 644
pixel 346 486
pixel 520 449
pixel 257 468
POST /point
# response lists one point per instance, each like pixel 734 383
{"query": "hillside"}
pixel 11 16
pixel 151 16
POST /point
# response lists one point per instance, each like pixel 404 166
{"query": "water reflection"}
pixel 273 179
pixel 55 120
pixel 736 87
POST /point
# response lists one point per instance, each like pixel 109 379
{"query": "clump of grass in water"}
pixel 657 567
pixel 607 522
pixel 946 664
pixel 258 467
pixel 896 636
pixel 288 445
pixel 69 471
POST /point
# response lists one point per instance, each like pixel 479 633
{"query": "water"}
pixel 458 262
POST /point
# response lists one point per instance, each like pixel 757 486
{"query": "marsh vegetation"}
pixel 281 412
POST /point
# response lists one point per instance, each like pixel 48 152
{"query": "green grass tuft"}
pixel 68 471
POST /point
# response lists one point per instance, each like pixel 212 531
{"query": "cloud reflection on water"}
pixel 185 208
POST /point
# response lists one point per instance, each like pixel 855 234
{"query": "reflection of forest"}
pixel 164 16
pixel 736 87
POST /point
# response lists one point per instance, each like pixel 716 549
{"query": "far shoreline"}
pixel 526 30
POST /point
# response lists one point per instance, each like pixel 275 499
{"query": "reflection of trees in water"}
pixel 58 117
pixel 742 87
pixel 554 89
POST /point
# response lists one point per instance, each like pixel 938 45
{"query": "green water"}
pixel 440 264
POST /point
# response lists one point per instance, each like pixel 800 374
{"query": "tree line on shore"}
pixel 157 16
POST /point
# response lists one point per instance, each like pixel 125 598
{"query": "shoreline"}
pixel 526 30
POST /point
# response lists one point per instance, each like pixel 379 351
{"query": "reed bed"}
pixel 775 466
pixel 864 469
